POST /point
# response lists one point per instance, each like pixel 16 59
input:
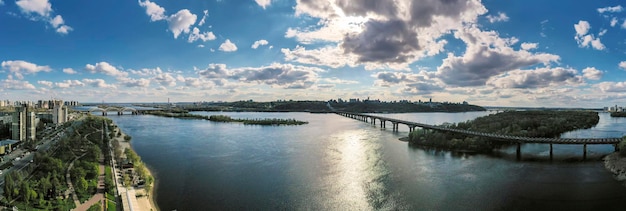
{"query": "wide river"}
pixel 337 163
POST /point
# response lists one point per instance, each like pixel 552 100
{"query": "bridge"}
pixel 119 110
pixel 492 136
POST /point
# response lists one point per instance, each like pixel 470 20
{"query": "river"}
pixel 337 163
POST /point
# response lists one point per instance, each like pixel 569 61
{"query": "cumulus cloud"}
pixel 501 17
pixel 181 22
pixel 19 68
pixel 40 7
pixel 537 78
pixel 486 55
pixel 618 87
pixel 105 68
pixel 202 21
pixel 45 83
pixel 69 71
pixel 613 21
pixel 196 35
pixel 622 65
pixel 528 46
pixel 178 23
pixel 131 82
pixel 380 34
pixel 98 83
pixel 613 9
pixel 12 84
pixel 69 84
pixel 41 10
pixel 259 43
pixel 228 46
pixel 165 79
pixel 584 39
pixel 412 83
pixel 263 3
pixel 153 10
pixel 592 73
pixel 282 75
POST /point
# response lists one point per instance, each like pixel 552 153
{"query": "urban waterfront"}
pixel 336 163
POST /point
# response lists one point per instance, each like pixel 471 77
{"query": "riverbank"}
pixel 147 201
pixel 617 165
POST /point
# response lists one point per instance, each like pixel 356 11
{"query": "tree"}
pixel 8 187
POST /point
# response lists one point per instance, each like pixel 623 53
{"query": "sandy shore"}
pixel 146 202
pixel 616 164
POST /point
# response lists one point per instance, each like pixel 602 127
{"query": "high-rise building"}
pixel 24 124
pixel 59 112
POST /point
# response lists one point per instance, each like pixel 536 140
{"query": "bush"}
pixel 622 147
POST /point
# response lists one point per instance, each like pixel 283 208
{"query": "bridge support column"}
pixel 519 151
pixel 584 151
pixel 615 147
pixel 550 151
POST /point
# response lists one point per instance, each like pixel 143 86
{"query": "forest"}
pixel 547 124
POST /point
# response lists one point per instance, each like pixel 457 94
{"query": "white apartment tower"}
pixel 59 112
pixel 24 124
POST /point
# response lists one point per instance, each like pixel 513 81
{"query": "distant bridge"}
pixel 119 110
pixel 496 137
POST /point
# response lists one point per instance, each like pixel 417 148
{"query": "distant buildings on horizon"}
pixel 614 109
pixel 24 120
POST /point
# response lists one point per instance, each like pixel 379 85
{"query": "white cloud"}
pixel 286 76
pixel 20 67
pixel 181 22
pixel 529 46
pixel 142 82
pixel 69 71
pixel 45 83
pixel 153 10
pixel 12 84
pixel 622 65
pixel 624 25
pixel 105 68
pixel 98 83
pixel 41 7
pixel 617 8
pixel 592 73
pixel 202 21
pixel 69 84
pixel 500 18
pixel 263 3
pixel 582 27
pixel 605 87
pixel 259 43
pixel 165 79
pixel 537 78
pixel 196 35
pixel 585 40
pixel 1 2
pixel 603 32
pixel 486 56
pixel 361 30
pixel 228 46
pixel 613 21
pixel 42 10
pixel 200 46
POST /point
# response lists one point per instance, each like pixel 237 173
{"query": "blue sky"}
pixel 508 53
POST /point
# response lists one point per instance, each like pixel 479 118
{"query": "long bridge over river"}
pixel 495 137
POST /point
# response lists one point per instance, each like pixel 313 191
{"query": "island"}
pixel 618 114
pixel 223 118
pixel 541 123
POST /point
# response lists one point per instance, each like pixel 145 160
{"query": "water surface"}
pixel 337 163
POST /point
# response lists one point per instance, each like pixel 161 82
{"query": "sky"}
pixel 491 53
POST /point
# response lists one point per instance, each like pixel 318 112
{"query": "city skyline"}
pixel 489 53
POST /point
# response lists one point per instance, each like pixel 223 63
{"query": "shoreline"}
pixel 149 203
